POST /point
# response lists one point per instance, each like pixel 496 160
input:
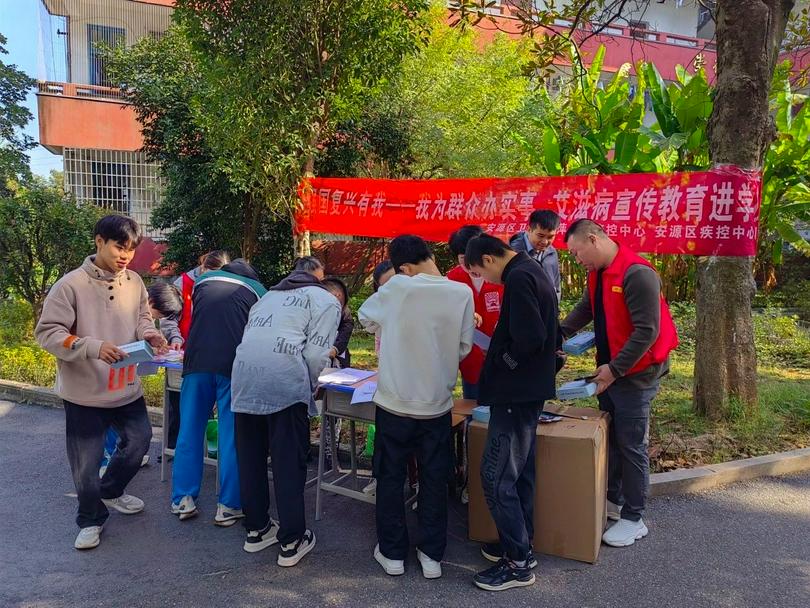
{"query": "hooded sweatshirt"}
pixel 221 302
pixel 286 346
pixel 86 307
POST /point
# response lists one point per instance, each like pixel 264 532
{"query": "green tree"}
pixel 278 79
pixel 14 86
pixel 201 209
pixel 44 233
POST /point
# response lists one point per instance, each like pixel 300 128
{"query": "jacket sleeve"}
pixel 554 273
pixel 170 329
pixel 320 337
pixel 54 331
pixel 527 330
pixel 579 317
pixel 344 331
pixel 642 293
pixel 146 324
pixel 467 327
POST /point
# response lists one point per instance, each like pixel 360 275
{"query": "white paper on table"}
pixel 364 393
pixel 481 340
pixel 345 376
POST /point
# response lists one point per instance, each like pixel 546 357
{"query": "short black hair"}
pixel 408 249
pixel 545 218
pixel 379 270
pixel 486 244
pixel 459 239
pixel 308 263
pixel 584 226
pixel 214 260
pixel 120 228
pixel 335 284
pixel 165 298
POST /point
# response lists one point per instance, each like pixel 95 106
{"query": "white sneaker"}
pixel 291 554
pixel 614 511
pixel 186 508
pixel 430 567
pixel 88 538
pixel 261 539
pixel 145 460
pixel 624 533
pixel 126 504
pixel 371 488
pixel 226 516
pixel 392 567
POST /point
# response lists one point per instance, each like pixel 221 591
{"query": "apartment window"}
pixel 111 185
pixel 639 29
pixel 98 35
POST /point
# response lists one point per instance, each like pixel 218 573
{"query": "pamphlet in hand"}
pixel 580 343
pixel 345 376
pixel 481 340
pixel 138 352
pixel 577 389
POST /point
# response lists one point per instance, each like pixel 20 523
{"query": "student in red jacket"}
pixel 634 336
pixel 487 298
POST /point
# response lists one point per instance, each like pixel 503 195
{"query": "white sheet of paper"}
pixel 345 376
pixel 364 393
pixel 481 340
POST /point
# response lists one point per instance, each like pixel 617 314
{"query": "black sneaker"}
pixel 294 552
pixel 495 553
pixel 504 575
pixel 261 539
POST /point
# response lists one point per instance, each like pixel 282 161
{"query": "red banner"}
pixel 703 213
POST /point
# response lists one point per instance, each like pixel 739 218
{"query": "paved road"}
pixel 746 545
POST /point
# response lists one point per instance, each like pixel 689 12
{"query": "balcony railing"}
pixel 85 91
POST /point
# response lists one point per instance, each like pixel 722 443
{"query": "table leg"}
pixel 164 431
pixel 354 453
pixel 321 448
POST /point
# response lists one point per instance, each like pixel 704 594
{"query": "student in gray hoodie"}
pixel 286 345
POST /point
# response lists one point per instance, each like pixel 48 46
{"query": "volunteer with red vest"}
pixel 634 336
pixel 213 260
pixel 487 298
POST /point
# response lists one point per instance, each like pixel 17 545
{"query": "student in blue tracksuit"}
pixel 221 301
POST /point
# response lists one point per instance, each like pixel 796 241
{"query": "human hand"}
pixel 478 319
pixel 603 378
pixel 110 353
pixel 333 353
pixel 176 346
pixel 158 342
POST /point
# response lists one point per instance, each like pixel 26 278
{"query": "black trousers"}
pixel 85 432
pixel 507 475
pixel 284 435
pixel 396 439
pixel 628 445
pixel 173 419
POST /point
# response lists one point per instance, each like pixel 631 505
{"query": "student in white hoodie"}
pixel 426 323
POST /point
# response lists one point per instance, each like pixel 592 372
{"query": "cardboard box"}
pixel 571 484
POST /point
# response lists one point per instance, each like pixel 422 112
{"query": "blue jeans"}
pixel 197 397
pixel 507 475
pixel 86 431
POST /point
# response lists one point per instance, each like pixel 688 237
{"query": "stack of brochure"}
pixel 580 343
pixel 576 389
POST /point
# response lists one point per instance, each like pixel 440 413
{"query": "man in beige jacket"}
pixel 87 315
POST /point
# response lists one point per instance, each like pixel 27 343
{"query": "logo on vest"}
pixel 492 301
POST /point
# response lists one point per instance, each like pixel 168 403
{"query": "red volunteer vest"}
pixel 185 317
pixel 619 325
pixel 488 305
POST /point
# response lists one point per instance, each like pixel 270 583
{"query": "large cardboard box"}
pixel 571 478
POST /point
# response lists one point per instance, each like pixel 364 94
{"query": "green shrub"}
pixel 27 363
pixel 16 321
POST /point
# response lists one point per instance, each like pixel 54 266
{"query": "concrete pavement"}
pixel 743 545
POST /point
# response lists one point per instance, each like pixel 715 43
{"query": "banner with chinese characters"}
pixel 702 213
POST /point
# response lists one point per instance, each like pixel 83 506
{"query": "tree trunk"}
pixel 749 33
